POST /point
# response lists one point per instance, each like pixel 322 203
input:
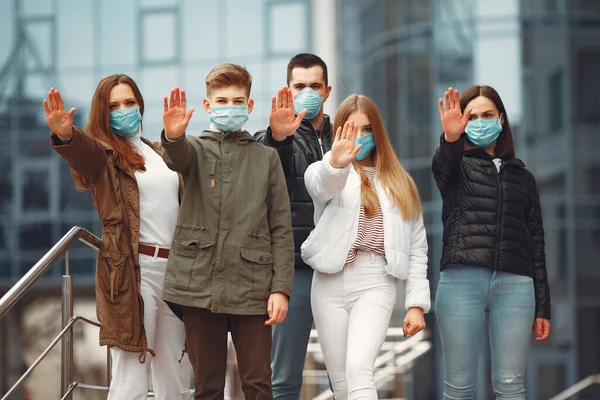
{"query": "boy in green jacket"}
pixel 231 264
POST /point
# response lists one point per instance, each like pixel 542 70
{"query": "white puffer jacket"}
pixel 337 197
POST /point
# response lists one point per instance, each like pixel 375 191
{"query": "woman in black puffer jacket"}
pixel 493 264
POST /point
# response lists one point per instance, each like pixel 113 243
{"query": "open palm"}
pixel 343 151
pixel 282 120
pixel 453 120
pixel 175 116
pixel 59 121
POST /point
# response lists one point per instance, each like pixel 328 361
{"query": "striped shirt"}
pixel 370 229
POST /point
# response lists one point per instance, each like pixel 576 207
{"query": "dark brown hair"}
pixel 224 75
pixel 306 60
pixel 98 126
pixel 504 144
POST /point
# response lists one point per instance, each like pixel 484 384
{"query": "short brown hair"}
pixel 505 146
pixel 228 74
pixel 306 60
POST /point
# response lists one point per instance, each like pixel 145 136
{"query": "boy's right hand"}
pixel 277 308
pixel 282 120
pixel 175 117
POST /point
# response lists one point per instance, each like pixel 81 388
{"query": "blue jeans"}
pixel 290 339
pixel 465 297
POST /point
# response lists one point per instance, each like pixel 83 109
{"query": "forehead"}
pixel 119 92
pixel 481 104
pixel 359 118
pixel 229 92
pixel 307 75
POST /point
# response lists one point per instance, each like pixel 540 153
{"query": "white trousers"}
pixel 166 336
pixel 352 311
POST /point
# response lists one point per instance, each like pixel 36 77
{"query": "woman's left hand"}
pixel 414 322
pixel 541 328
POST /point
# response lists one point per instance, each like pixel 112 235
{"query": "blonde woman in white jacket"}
pixel 369 233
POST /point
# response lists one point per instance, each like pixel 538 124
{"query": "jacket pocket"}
pixel 256 274
pixel 190 261
pixel 114 275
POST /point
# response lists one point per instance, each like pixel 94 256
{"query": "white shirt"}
pixel 159 197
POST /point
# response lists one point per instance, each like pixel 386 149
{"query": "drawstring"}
pixel 182 355
pixel 143 355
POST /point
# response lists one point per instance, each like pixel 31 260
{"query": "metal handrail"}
pixel 578 387
pixel 58 337
pixel 17 292
pixel 45 263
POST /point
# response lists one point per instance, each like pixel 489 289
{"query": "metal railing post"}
pixel 66 363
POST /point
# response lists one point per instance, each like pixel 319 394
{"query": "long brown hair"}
pixel 98 126
pixel 505 146
pixel 398 184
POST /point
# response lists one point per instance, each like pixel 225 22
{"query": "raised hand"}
pixel 343 151
pixel 175 116
pixel 283 122
pixel 59 121
pixel 453 120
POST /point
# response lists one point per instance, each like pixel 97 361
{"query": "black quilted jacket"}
pixel 296 153
pixel 491 220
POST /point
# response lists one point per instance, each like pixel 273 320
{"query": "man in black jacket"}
pixel 301 133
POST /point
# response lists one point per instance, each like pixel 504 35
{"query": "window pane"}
pixel 277 73
pixel 247 16
pixel 156 3
pixel 118 32
pixel 40 34
pixel 6 32
pixel 201 43
pixel 159 37
pixel 36 236
pixel 286 38
pixel 75 50
pixel 77 91
pixel 31 8
pixel 34 190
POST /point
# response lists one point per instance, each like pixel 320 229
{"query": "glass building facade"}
pixel 71 45
pixel 543 56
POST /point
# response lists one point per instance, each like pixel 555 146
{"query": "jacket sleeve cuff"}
pixel 543 312
pixel 460 143
pixel 271 142
pixel 417 294
pixel 281 287
pixel 331 170
pixel 56 140
pixel 165 141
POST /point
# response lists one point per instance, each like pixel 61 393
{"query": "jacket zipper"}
pixel 321 149
pixel 498 222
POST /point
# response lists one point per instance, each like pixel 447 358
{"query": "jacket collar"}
pixel 484 155
pixel 306 129
pixel 239 136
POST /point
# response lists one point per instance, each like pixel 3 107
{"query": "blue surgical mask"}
pixel 126 121
pixel 310 100
pixel 483 132
pixel 368 145
pixel 229 118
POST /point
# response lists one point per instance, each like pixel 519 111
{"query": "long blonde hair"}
pixel 398 184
